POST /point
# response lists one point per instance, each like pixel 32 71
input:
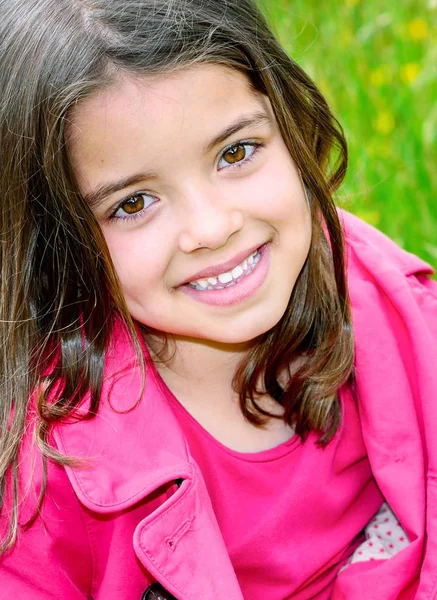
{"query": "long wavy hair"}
pixel 59 290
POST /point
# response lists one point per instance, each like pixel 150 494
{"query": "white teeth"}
pixel 229 277
pixel 225 277
pixel 237 271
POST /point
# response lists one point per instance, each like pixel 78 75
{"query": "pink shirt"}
pixel 290 516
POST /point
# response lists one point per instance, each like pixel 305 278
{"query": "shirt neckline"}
pixel 268 455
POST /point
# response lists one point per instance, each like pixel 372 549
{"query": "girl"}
pixel 205 393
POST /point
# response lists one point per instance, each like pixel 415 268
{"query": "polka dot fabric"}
pixel 385 537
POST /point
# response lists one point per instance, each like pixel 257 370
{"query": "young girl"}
pixel 205 393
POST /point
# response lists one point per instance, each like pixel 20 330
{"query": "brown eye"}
pixel 235 154
pixel 238 155
pixel 133 205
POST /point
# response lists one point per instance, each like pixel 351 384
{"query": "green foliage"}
pixel 376 63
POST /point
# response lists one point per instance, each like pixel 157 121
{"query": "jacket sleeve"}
pixel 425 292
pixel 394 306
pixel 51 558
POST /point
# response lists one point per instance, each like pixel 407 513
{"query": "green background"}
pixel 376 63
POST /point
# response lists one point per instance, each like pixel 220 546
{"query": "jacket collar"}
pixel 133 445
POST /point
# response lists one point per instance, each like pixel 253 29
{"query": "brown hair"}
pixel 54 260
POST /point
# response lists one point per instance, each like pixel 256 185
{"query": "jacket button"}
pixel 157 592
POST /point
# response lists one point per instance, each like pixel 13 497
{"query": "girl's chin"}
pixel 245 339
pixel 213 333
pixel 244 336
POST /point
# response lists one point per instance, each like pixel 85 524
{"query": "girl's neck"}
pixel 196 365
pixel 199 374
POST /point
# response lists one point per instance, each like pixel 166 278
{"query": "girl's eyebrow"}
pixel 96 196
pixel 257 118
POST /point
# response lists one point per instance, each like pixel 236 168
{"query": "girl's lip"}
pixel 238 292
pixel 222 267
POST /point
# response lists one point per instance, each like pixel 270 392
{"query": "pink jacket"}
pixel 139 512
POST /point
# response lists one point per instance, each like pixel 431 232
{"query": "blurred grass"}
pixel 376 63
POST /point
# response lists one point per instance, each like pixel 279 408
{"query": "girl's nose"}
pixel 208 223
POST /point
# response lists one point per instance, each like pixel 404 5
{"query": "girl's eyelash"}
pixel 256 146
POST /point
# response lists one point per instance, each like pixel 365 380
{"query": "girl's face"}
pixel 200 203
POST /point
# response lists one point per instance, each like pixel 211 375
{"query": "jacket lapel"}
pixel 181 545
pixel 133 447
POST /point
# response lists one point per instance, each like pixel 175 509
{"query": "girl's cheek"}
pixel 143 257
pixel 275 191
pixel 133 251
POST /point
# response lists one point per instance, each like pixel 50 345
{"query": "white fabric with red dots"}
pixel 385 537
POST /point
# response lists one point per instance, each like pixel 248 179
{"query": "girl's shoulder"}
pixel 387 284
pixel 370 250
pixel 384 277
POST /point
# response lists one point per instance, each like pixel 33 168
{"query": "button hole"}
pixel 173 540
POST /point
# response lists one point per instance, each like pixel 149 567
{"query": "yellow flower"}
pixel 409 72
pixel 380 75
pixel 384 123
pixel 377 77
pixel 352 2
pixel 418 29
pixel 346 36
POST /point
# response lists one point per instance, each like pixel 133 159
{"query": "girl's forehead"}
pixel 153 112
pixel 199 86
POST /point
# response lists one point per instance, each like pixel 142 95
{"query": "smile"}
pixel 234 286
pixel 228 278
